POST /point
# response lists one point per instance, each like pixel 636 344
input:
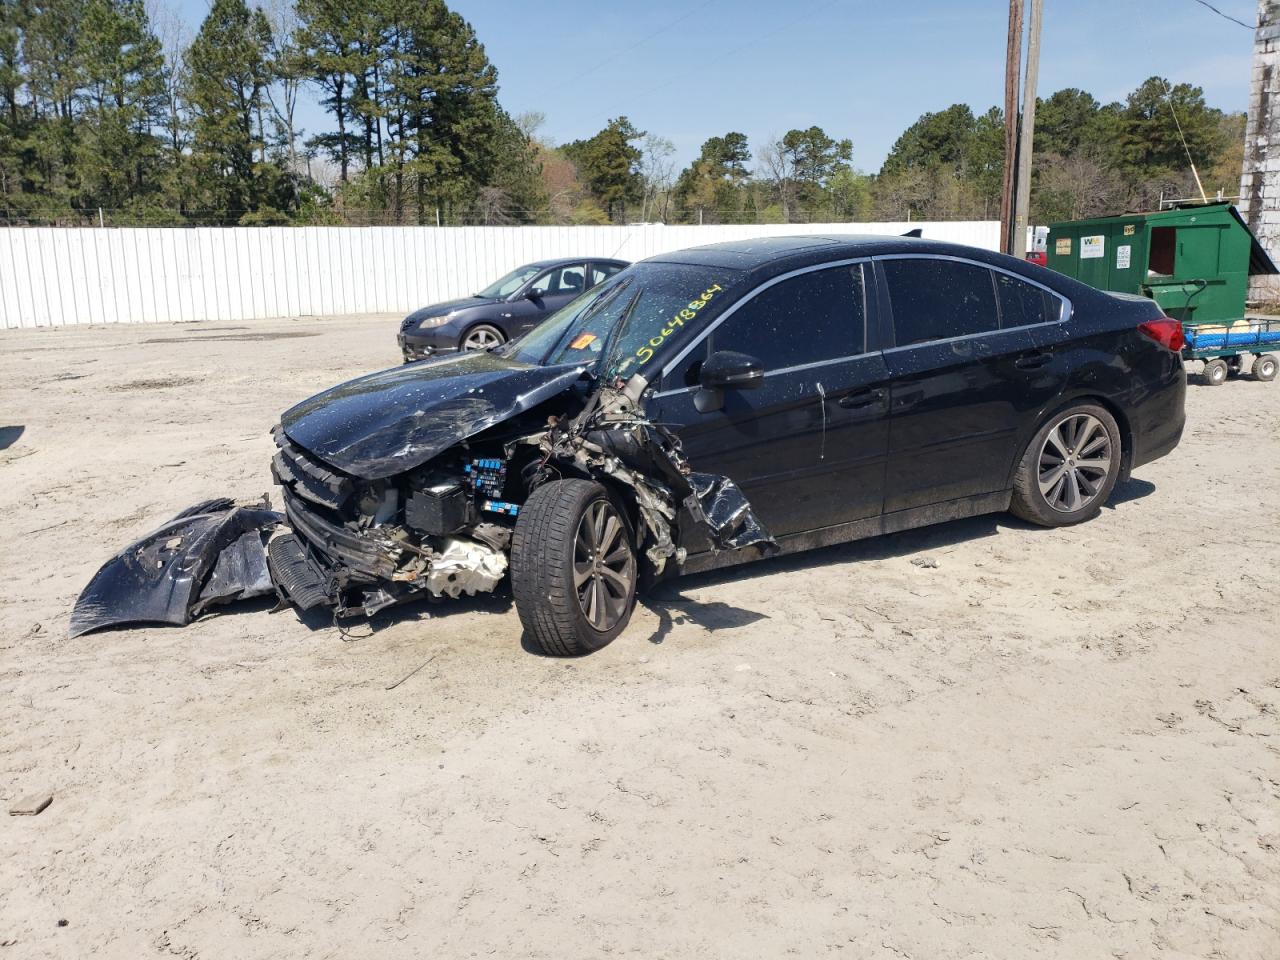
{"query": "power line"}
pixel 613 57
pixel 1226 16
pixel 762 35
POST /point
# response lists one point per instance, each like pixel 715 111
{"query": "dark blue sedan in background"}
pixel 503 310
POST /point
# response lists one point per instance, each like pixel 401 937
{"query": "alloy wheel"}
pixel 604 567
pixel 1075 462
pixel 481 338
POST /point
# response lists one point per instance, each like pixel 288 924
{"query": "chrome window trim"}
pixel 1065 305
pixel 751 295
pixel 1064 312
pixel 970 336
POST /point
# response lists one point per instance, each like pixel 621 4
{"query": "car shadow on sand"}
pixel 668 600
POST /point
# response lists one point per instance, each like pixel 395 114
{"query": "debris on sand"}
pixel 31 805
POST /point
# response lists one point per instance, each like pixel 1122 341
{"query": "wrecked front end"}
pixel 445 528
pixel 358 546
pixel 409 485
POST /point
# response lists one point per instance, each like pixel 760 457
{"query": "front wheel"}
pixel 573 567
pixel 483 336
pixel 1070 467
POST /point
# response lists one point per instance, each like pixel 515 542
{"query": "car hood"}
pixel 386 423
pixel 449 306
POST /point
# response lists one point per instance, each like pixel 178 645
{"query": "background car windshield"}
pixel 628 319
pixel 509 284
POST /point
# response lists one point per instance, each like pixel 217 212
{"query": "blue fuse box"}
pixel 487 477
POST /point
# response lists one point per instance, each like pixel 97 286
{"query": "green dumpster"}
pixel 1195 261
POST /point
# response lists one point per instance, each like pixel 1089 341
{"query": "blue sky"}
pixel 690 69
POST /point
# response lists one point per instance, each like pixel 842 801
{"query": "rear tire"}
pixel 1215 372
pixel 1069 468
pixel 573 567
pixel 1265 366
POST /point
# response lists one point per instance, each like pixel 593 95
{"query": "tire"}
pixel 1265 366
pixel 1043 491
pixel 483 336
pixel 1235 365
pixel 551 556
pixel 1215 372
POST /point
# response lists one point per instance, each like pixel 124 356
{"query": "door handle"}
pixel 862 398
pixel 1032 360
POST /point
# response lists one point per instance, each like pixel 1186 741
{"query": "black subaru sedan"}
pixel 508 307
pixel 714 405
pixel 702 408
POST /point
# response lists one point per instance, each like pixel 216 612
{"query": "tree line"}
pixel 108 113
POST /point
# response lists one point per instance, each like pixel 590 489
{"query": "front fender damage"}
pixel 612 439
pixel 358 546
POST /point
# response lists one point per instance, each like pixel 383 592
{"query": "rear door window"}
pixel 603 271
pixel 814 317
pixel 561 280
pixel 1024 304
pixel 935 299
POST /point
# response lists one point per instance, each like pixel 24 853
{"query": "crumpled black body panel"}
pixel 210 553
pixel 719 504
pixel 391 422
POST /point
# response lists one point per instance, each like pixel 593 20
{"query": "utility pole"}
pixel 1027 133
pixel 1012 76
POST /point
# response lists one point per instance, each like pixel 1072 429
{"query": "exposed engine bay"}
pixel 441 528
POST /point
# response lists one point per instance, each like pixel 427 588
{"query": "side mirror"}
pixel 728 370
pixel 725 370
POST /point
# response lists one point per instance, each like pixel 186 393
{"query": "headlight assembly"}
pixel 426 323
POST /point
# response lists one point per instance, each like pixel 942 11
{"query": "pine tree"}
pixel 609 164
pixel 443 122
pixel 13 118
pixel 50 48
pixel 229 71
pixel 326 44
pixel 120 102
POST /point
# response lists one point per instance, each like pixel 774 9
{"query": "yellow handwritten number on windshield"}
pixel 645 353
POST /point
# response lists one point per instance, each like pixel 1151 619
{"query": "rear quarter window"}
pixel 936 299
pixel 1024 304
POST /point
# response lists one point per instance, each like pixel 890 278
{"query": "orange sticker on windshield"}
pixel 582 342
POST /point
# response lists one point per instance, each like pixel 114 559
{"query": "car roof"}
pixel 562 261
pixel 766 257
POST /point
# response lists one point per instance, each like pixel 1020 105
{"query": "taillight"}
pixel 1166 332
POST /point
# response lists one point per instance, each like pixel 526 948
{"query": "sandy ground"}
pixel 1054 744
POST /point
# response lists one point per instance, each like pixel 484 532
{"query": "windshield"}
pixel 509 284
pixel 624 322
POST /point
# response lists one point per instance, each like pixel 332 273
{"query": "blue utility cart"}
pixel 1223 346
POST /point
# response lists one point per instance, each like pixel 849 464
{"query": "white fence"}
pixel 57 276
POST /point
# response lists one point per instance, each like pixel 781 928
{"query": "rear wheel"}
pixel 1265 366
pixel 1069 468
pixel 483 336
pixel 573 567
pixel 1215 372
